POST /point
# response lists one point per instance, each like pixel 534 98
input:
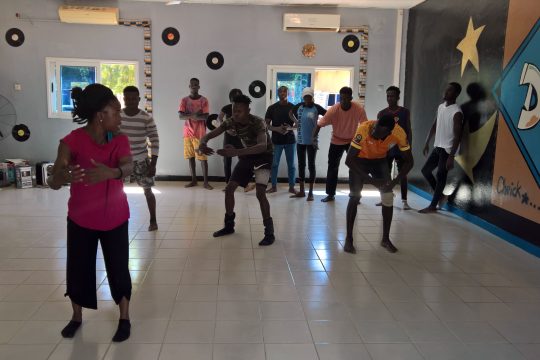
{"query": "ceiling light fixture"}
pixel 174 2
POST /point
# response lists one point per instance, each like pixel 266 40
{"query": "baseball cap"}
pixel 307 91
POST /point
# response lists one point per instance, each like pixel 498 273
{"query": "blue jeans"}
pixel 289 156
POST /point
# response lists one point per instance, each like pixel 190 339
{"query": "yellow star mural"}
pixel 474 146
pixel 468 46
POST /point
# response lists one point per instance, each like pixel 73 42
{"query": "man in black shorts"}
pixel 254 159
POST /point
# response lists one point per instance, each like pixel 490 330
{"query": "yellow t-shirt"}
pixel 371 148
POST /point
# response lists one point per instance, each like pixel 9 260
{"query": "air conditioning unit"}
pixel 88 15
pixel 311 22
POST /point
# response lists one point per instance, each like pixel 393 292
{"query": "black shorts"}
pixel 249 165
pixel 377 168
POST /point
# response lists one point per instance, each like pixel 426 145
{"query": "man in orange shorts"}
pixel 194 109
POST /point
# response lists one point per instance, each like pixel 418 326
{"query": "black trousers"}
pixel 335 152
pixel 82 246
pixel 235 141
pixel 311 154
pixel 436 160
pixel 399 161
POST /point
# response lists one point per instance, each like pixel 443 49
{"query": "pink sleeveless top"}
pixel 102 206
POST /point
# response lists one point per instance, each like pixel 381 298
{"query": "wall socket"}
pixel 17 87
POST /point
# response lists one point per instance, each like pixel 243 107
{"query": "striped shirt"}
pixel 142 133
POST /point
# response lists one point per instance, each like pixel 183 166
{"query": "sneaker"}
pixel 406 205
pixel 328 198
pixel 387 244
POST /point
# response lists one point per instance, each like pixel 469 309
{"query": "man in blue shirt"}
pixel 305 115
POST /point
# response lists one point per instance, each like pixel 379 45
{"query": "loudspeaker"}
pixel 43 170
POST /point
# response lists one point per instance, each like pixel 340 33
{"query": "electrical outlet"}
pixel 17 87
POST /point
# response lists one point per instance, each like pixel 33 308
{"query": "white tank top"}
pixel 444 133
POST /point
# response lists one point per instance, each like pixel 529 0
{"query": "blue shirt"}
pixel 307 120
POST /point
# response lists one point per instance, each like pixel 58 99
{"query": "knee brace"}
pixel 387 199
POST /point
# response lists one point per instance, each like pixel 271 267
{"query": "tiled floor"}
pixel 453 291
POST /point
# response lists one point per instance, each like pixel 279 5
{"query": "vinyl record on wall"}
pixel 257 89
pixel 170 36
pixel 212 121
pixel 20 132
pixel 214 60
pixel 350 43
pixel 15 37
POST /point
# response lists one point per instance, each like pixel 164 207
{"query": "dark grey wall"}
pixel 249 37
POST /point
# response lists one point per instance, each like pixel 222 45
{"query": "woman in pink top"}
pixel 94 161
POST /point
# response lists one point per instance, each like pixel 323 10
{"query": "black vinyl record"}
pixel 170 36
pixel 350 43
pixel 211 121
pixel 14 37
pixel 257 89
pixel 214 60
pixel 20 132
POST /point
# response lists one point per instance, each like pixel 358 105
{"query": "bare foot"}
pixel 349 247
pixel 249 187
pixel 298 195
pixel 442 201
pixel 310 197
pixel 271 190
pixel 292 190
pixel 153 226
pixel 428 210
pixel 191 184
pixel 208 186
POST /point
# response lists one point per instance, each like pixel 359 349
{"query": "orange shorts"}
pixel 191 149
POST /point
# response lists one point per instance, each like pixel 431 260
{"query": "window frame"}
pixel 53 64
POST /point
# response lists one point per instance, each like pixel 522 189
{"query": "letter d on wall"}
pixel 530 116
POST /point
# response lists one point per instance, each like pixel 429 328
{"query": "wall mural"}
pixel 497 177
pixel 516 176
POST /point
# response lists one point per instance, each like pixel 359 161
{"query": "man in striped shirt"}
pixel 141 129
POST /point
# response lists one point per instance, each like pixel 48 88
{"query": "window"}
pixel 64 74
pixel 325 81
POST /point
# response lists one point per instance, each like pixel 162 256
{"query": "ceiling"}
pixel 383 4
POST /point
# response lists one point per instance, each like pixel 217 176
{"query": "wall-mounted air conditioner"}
pixel 311 22
pixel 88 15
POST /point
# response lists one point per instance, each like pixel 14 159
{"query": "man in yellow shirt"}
pixel 367 164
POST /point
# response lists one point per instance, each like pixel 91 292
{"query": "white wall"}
pixel 249 37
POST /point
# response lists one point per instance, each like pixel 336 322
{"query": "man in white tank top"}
pixel 447 129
